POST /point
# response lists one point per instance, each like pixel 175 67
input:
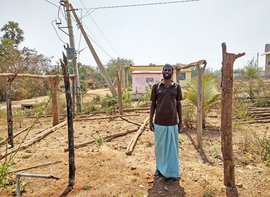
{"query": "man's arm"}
pixel 179 112
pixel 152 111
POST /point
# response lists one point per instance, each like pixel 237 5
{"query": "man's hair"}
pixel 168 65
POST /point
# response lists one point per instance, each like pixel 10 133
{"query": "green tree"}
pixel 12 31
pixel 9 55
pixel 115 65
pixel 211 94
pixel 23 61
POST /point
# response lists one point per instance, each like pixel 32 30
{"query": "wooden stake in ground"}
pixel 54 83
pixel 132 143
pixel 200 71
pixel 9 113
pixel 120 102
pixel 226 114
pixel 71 154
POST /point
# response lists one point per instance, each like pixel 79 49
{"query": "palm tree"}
pixel 211 95
pixel 13 32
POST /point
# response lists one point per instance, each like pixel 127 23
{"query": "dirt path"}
pixel 108 171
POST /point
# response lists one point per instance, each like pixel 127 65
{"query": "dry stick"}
pixel 132 143
pixel 15 135
pixel 36 166
pixel 34 140
pixel 104 117
pixel 32 126
pixel 130 121
pixel 106 138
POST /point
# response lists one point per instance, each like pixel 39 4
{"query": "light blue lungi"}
pixel 166 150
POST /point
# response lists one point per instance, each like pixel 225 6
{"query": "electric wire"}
pixel 99 29
pixel 94 40
pixel 51 3
pixel 78 51
pixel 100 46
pixel 57 32
pixel 141 4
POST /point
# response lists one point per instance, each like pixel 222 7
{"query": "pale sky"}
pixel 170 33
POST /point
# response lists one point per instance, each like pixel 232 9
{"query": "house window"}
pixel 269 63
pixel 182 76
pixel 149 80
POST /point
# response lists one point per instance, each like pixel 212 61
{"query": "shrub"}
pixel 109 104
pixel 4 175
pixel 126 98
pixel 145 99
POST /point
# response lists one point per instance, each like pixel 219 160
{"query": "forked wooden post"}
pixel 226 114
pixel 119 89
pixel 55 110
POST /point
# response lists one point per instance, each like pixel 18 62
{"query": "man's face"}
pixel 167 72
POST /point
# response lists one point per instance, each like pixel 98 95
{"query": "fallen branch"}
pixel 130 121
pixel 15 135
pixel 34 140
pixel 36 166
pixel 133 142
pixel 104 117
pixel 106 138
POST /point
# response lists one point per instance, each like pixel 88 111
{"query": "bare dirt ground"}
pixel 108 171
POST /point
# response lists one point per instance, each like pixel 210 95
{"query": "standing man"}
pixel 166 99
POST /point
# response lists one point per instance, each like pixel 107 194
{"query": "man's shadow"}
pixel 170 188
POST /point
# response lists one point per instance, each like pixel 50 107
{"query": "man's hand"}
pixel 151 126
pixel 179 126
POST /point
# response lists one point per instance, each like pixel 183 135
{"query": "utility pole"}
pixel 101 68
pixel 74 59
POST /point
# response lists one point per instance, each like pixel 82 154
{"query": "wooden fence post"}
pixel 55 109
pixel 73 95
pixel 120 102
pixel 226 115
pixel 70 125
pixel 9 112
pixel 200 71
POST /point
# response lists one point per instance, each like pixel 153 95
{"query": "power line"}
pixel 51 3
pixel 141 4
pixel 100 46
pixel 57 32
pixel 105 37
pixel 92 37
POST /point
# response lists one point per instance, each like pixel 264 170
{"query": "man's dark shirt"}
pixel 166 99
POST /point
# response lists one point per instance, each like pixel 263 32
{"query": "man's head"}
pixel 167 71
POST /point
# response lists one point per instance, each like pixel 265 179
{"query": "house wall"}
pixel 160 67
pixel 141 81
pixel 267 60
